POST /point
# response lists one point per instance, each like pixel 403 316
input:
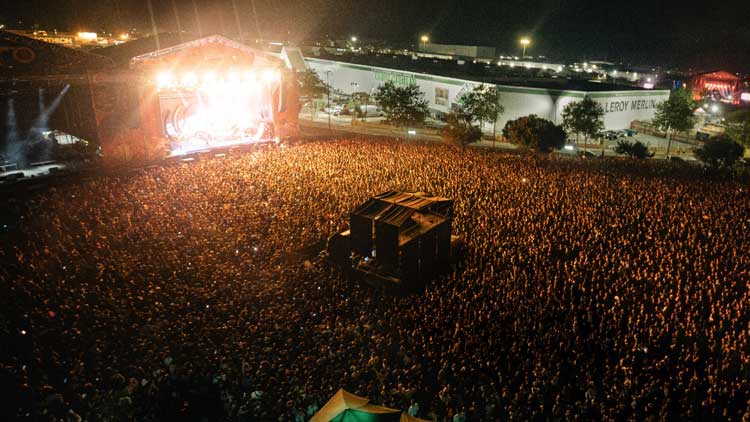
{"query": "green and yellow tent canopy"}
pixel 347 407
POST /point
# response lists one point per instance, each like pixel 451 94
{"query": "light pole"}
pixel 367 103
pixel 328 99
pixel 424 39
pixel 524 43
pixel 354 100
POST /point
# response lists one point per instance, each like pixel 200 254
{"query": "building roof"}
pixel 31 56
pixel 413 213
pixel 371 209
pixel 481 72
pixel 421 223
pixel 396 215
pixel 415 200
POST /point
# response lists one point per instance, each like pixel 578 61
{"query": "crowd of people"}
pixel 599 289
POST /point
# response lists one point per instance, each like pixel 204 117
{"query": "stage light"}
pixel 233 77
pixel 209 78
pixel 270 75
pixel 250 77
pixel 190 80
pixel 163 79
pixel 87 36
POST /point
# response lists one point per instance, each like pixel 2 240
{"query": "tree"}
pixel 534 132
pixel 402 106
pixel 460 130
pixel 482 103
pixel 719 152
pixel 675 114
pixel 738 127
pixel 584 118
pixel 311 87
pixel 633 149
pixel 310 84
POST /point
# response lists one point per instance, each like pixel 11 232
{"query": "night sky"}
pixel 711 35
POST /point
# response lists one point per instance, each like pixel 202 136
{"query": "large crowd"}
pixel 590 290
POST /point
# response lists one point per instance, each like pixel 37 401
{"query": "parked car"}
pixel 335 110
pixel 371 110
pixel 611 135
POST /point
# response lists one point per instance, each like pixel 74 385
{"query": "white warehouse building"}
pixel 621 107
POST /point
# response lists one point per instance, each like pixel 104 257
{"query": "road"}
pixel 344 123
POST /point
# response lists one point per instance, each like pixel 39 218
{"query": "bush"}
pixel 719 152
pixel 534 132
pixel 459 130
pixel 633 149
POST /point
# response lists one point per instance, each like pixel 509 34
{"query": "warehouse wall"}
pixel 621 107
pixel 350 78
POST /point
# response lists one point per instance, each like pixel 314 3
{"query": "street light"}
pixel 524 42
pixel 424 39
pixel 367 103
pixel 328 99
pixel 354 39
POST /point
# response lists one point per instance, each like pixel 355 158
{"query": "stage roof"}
pixel 121 54
pixel 719 75
pixel 214 48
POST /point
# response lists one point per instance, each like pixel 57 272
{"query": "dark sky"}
pixel 710 35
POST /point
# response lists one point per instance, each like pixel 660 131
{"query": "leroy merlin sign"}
pixel 402 79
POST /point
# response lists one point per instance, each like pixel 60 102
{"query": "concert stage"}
pixel 215 93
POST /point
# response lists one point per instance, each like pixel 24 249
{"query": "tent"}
pixel 347 407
